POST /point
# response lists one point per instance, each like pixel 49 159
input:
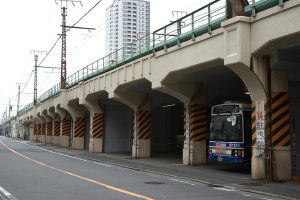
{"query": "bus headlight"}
pixel 237 152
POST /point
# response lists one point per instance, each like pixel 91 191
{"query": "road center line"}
pixel 79 177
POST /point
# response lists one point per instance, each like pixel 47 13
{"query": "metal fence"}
pixel 199 22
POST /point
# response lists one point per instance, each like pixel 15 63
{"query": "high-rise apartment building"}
pixel 126 21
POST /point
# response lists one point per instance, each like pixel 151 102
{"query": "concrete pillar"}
pixel 196 130
pixel 72 125
pixel 142 131
pixel 66 125
pixel 31 131
pixel 260 164
pixel 49 131
pixel 43 132
pixel 96 123
pixel 259 133
pixel 280 127
pixel 78 139
pixel 97 132
pixel 56 132
pixel 35 131
pixel 39 132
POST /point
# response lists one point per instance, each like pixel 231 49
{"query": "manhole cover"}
pixel 154 183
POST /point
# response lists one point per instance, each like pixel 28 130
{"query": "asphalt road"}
pixel 31 173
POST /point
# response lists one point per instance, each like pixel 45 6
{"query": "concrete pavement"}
pixel 213 175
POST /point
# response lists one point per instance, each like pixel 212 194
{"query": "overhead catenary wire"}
pixel 55 43
pixel 27 81
pixel 69 30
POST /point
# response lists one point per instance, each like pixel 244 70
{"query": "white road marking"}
pixel 180 181
pixel 110 187
pixel 69 156
pixel 225 189
pixel 6 193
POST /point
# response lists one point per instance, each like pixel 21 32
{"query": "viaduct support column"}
pixel 256 77
pixel 260 160
pixel 78 130
pixel 97 133
pixel 196 130
pixel 142 131
pixel 96 124
pixel 66 126
pixel 39 132
pixel 56 132
pixel 280 127
pixel 73 127
pixel 141 105
pixel 35 131
pixel 57 116
pixel 44 133
pixel 49 127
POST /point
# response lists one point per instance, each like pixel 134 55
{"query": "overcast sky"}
pixel 34 25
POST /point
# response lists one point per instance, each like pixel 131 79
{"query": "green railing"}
pixel 199 22
pixel 256 6
pixel 25 109
pixel 49 93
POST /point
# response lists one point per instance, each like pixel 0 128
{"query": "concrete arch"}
pixel 252 80
pixel 46 116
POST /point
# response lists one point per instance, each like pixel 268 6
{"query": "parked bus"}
pixel 230 133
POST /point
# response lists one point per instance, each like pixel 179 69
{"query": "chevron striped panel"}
pixel 280 119
pixel 66 127
pixel 49 128
pixel 79 127
pixel 97 125
pixel 56 128
pixel 253 121
pixel 199 122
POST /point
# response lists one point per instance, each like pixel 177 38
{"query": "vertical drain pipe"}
pixel 188 132
pixel 135 133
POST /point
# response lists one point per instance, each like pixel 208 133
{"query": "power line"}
pixel 87 13
pixel 27 81
pixel 55 43
pixel 48 52
pixel 69 30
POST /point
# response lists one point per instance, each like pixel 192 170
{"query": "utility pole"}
pixel 9 109
pixel 18 105
pixel 19 93
pixel 64 8
pixel 63 68
pixel 36 58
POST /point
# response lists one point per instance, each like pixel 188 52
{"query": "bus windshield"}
pixel 227 128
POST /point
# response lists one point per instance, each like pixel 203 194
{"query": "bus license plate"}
pixel 220 159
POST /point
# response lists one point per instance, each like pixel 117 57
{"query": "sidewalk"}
pixel 170 165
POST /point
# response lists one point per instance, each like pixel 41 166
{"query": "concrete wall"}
pixel 294 88
pixel 166 124
pixel 118 128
